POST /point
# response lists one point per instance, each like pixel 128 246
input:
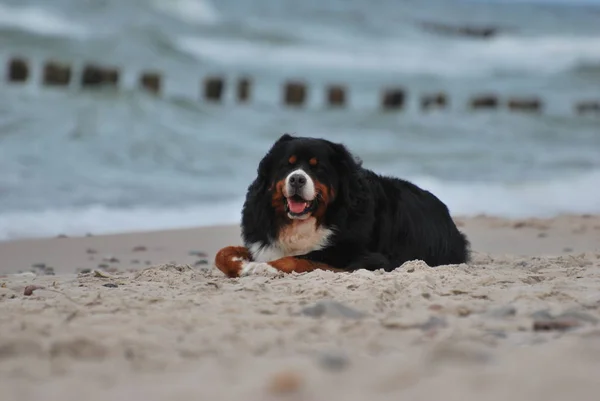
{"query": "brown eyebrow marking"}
pixel 292 159
pixel 313 161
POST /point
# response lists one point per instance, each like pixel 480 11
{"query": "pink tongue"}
pixel 295 206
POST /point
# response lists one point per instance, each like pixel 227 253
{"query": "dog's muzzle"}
pixel 300 194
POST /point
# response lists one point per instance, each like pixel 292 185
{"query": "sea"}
pixel 76 161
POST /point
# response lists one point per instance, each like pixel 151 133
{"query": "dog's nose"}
pixel 297 180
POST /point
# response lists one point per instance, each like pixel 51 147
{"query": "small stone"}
pixel 285 383
pixel 40 266
pixel 542 235
pixel 543 314
pixel 435 307
pixel 567 249
pixel 111 259
pixel 434 322
pixel 110 285
pixel 102 266
pixel 502 312
pixel 139 248
pixel 201 262
pixel 332 309
pixel 85 271
pixel 30 289
pixel 333 361
pixel 49 271
pixel 91 251
pixel 199 254
pixel 463 311
pixel 555 325
pixel 148 263
pixel 135 261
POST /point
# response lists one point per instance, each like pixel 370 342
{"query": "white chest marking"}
pixel 299 238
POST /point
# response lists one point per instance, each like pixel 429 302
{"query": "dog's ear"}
pixel 352 186
pixel 265 165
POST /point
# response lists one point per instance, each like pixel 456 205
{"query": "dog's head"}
pixel 305 176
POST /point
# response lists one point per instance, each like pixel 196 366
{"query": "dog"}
pixel 314 206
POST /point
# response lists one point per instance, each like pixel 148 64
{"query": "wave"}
pixel 576 195
pixel 453 58
pixel 190 11
pixel 99 219
pixel 40 21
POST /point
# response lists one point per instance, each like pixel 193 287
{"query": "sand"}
pixel 146 316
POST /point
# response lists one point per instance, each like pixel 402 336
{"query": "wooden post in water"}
pixel 18 70
pixel 527 104
pixel 294 93
pixel 484 101
pixel 336 96
pixel 95 76
pixel 393 99
pixel 151 81
pixel 587 106
pixel 213 89
pixel 244 88
pixel 56 74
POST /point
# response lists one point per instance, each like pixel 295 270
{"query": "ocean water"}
pixel 75 162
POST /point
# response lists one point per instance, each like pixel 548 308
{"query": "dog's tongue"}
pixel 296 206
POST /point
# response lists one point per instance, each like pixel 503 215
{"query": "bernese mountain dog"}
pixel 314 206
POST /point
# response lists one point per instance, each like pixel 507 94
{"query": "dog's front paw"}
pixel 258 268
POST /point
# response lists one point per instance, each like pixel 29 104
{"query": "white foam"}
pixel 39 21
pixel 102 220
pixel 547 54
pixel 576 195
pixel 191 11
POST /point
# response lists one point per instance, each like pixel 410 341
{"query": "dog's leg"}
pixel 231 259
pixel 288 264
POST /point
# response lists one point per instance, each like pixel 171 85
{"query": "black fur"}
pixel 379 222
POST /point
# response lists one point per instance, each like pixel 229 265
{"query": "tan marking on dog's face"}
pixel 293 159
pixel 313 162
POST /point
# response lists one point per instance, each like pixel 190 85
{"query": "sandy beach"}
pixel 147 316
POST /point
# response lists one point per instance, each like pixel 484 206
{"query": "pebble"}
pixel 333 361
pixel 332 309
pixel 102 266
pixel 285 383
pixel 433 323
pixel 110 285
pixel 28 291
pixel 40 266
pixel 135 261
pixel 85 271
pixel 555 324
pixel 91 251
pixel 201 262
pixel 502 312
pixel 199 254
pixel 111 259
pixel 139 248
